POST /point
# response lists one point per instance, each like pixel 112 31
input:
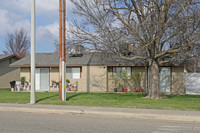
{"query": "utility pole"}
pixel 62 62
pixel 32 95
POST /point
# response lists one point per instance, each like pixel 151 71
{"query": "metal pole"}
pixel 63 82
pixel 32 95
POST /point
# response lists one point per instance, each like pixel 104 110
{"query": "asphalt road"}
pixel 18 122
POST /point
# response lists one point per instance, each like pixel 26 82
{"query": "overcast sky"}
pixel 15 14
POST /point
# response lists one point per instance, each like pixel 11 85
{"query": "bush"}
pixel 67 80
pixel 23 79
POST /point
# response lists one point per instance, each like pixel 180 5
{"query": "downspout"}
pixel 106 78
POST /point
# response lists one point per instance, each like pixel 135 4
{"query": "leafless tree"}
pixel 56 45
pixel 155 31
pixel 17 43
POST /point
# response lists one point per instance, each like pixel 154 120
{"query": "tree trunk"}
pixel 154 81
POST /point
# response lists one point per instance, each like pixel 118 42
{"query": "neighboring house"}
pixel 8 74
pixel 93 72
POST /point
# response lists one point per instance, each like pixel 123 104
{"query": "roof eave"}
pixel 10 56
pixel 35 66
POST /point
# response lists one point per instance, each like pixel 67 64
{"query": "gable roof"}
pixel 3 56
pixel 89 58
pixel 41 59
pixel 193 64
pixel 7 56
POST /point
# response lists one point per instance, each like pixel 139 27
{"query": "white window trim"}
pixel 121 69
pixel 71 75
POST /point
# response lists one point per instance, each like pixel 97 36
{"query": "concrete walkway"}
pixel 191 116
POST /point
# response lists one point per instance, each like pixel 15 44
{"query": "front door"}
pixel 165 79
pixel 37 78
pixel 42 79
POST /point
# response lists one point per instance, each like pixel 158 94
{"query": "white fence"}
pixel 192 81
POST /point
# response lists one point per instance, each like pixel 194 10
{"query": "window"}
pixel 118 71
pixel 165 79
pixel 73 73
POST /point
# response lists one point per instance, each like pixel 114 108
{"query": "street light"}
pixel 32 95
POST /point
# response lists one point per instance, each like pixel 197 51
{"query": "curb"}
pixel 147 116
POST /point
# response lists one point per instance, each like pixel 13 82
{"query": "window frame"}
pixel 121 69
pixel 71 74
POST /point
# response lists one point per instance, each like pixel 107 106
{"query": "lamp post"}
pixel 32 95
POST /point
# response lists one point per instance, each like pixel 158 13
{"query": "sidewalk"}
pixel 191 116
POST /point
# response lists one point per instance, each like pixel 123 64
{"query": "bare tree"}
pixel 17 43
pixel 56 45
pixel 156 31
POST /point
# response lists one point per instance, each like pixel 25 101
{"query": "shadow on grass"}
pixel 75 95
pixel 47 98
pixel 129 94
pixel 176 96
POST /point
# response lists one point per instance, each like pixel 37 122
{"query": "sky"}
pixel 16 14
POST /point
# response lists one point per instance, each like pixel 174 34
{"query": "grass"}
pixel 122 100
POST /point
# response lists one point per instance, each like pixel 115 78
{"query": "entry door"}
pixel 37 78
pixel 165 79
pixel 42 79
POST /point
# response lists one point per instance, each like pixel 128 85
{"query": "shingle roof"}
pixel 5 56
pixel 90 58
pixel 109 59
pixel 41 59
pixel 193 64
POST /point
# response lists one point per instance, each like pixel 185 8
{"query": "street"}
pixel 18 122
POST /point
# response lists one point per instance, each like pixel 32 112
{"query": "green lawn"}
pixel 123 100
